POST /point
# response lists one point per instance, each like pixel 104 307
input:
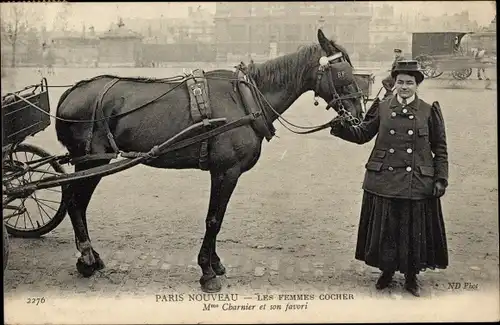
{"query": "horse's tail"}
pixel 63 128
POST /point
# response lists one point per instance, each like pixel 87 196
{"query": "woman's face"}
pixel 406 85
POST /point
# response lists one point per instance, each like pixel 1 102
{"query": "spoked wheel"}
pixel 43 210
pixel 429 67
pixel 462 74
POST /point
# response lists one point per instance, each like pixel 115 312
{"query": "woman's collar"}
pixel 408 100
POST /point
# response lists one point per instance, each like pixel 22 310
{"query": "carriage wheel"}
pixel 5 247
pixel 43 210
pixel 429 66
pixel 461 74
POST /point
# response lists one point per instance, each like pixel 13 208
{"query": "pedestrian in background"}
pixel 388 82
pixel 480 56
pixel 401 224
pixel 48 59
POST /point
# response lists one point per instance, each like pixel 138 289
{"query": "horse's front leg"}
pixel 222 187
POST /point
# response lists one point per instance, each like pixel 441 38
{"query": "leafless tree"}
pixel 62 18
pixel 16 18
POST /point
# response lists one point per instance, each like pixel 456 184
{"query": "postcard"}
pixel 250 162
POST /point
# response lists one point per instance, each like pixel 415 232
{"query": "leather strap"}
pixel 98 107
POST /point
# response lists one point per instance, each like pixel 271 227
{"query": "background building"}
pixel 75 49
pixel 120 46
pixel 249 29
pixel 170 39
pixel 232 32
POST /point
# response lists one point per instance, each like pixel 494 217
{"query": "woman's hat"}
pixel 397 51
pixel 410 67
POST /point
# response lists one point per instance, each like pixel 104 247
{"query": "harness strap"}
pixel 200 108
pixel 249 118
pixel 319 75
pixel 98 107
pixel 209 134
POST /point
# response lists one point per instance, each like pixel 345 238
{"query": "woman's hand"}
pixel 439 189
pixel 336 126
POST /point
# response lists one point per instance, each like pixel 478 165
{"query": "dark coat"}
pixel 401 164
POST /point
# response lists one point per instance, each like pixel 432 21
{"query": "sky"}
pixel 100 15
pixel 481 11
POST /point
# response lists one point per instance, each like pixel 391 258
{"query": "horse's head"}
pixel 335 81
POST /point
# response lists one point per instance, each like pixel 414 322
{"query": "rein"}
pixel 325 67
pixel 336 102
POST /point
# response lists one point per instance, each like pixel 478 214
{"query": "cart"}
pixel 37 213
pixel 365 80
pixel 439 52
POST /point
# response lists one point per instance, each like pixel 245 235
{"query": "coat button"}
pixel 410 132
pixel 391 150
pixel 411 117
pixel 409 150
pixel 408 169
pixel 393 114
pixel 390 168
pixel 392 131
pixel 405 110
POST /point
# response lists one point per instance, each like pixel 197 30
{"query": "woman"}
pixel 401 224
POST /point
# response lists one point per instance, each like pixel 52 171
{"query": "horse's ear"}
pixel 324 42
pixel 321 37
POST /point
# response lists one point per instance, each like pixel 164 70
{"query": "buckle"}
pixel 257 114
pixel 197 91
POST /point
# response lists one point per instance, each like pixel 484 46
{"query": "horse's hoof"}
pixel 218 268
pixel 99 264
pixel 212 285
pixel 84 269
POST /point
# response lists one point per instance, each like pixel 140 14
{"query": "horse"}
pixel 280 81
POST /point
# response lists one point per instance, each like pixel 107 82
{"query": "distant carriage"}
pixel 438 52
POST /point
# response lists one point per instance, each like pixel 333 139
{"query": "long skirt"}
pixel 402 235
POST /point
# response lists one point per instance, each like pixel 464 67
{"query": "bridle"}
pixel 326 67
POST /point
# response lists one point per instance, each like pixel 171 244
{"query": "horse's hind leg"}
pixel 78 195
pixel 222 187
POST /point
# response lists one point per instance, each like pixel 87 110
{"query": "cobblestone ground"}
pixel 292 221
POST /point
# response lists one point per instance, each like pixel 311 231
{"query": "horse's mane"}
pixel 283 70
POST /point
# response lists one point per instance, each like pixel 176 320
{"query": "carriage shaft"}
pixel 106 170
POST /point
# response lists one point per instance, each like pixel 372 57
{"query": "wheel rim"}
pixel 38 209
pixel 462 74
pixel 429 68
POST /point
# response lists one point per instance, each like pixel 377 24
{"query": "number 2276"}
pixel 35 301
